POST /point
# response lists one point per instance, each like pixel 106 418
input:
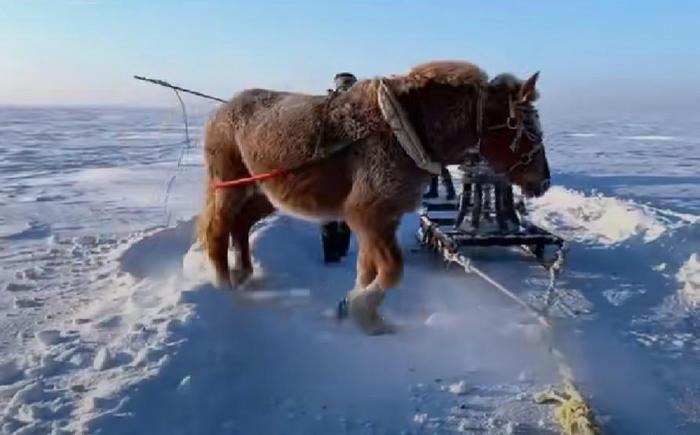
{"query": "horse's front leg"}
pixel 379 267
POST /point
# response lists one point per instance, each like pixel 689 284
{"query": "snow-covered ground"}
pixel 108 324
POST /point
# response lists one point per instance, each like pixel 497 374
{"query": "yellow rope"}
pixel 573 413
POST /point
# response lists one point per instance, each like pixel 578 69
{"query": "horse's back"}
pixel 259 103
pixel 271 128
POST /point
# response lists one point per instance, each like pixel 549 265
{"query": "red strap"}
pixel 250 180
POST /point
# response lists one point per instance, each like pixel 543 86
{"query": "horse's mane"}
pixel 450 73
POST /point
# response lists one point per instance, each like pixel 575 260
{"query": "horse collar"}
pixel 397 118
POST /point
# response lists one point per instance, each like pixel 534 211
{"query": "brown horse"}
pixel 446 109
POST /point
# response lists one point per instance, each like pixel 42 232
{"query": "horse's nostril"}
pixel 545 185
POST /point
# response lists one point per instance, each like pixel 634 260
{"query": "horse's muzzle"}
pixel 536 189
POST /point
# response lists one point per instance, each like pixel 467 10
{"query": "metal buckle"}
pixel 515 144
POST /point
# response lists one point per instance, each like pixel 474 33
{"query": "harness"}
pixel 522 117
pixel 397 118
pixel 526 124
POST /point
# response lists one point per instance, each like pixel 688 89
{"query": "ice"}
pixel 651 137
pixel 185 385
pixel 9 372
pixel 31 393
pixel 108 322
pixel 49 337
pixel 17 287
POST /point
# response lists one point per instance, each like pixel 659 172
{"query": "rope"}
pixel 187 142
pixel 554 269
pixel 239 182
pixel 320 155
pixel 183 150
pixel 573 414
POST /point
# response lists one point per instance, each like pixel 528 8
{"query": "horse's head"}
pixel 453 107
pixel 511 135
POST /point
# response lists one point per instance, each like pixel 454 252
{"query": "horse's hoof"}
pixel 374 324
pixel 240 276
pixel 362 307
pixel 379 326
pixel 223 283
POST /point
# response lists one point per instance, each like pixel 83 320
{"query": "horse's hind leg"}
pixel 253 210
pixel 379 267
pixel 366 269
pixel 215 224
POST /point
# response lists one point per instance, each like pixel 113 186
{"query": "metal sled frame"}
pixel 487 215
pixel 528 237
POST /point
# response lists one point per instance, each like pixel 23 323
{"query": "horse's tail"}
pixel 208 214
pixel 222 162
pixel 207 217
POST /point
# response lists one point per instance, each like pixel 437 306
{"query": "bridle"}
pixel 523 118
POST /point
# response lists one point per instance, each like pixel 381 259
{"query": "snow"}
pixel 689 276
pixel 460 388
pixel 103 359
pixel 595 219
pixel 108 323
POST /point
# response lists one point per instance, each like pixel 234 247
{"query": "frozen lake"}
pixel 106 322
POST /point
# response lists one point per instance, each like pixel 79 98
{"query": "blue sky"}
pixel 632 54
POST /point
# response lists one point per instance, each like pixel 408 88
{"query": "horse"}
pixel 363 156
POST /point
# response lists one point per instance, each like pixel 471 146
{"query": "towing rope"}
pixel 573 414
pixel 321 155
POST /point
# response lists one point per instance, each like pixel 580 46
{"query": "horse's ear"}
pixel 528 92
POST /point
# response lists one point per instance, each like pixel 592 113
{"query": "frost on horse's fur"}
pixel 370 184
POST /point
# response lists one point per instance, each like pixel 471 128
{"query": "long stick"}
pixel 178 88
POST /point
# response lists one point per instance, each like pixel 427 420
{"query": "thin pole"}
pixel 178 88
